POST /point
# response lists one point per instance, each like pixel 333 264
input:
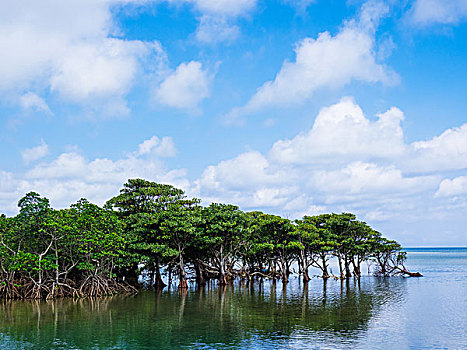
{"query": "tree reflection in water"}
pixel 334 312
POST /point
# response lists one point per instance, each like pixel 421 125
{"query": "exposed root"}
pixel 90 286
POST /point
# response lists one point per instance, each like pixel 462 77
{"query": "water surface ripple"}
pixel 373 313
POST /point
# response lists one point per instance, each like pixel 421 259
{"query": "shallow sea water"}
pixel 373 313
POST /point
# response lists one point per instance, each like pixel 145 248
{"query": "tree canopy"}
pixel 152 230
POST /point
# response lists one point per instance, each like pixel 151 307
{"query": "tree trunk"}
pixel 341 270
pixel 200 275
pixel 325 266
pixel 303 265
pixel 131 275
pixel 306 277
pixel 183 284
pixel 222 280
pixel 348 274
pixel 169 277
pixel 356 269
pixel 272 267
pixel 410 274
pixel 285 278
pixel 284 272
pixel 222 277
pixel 159 283
pixel 382 265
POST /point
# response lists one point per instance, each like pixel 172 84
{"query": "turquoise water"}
pixel 375 313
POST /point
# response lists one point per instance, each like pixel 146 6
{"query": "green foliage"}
pixel 223 225
pixel 221 237
pixel 46 252
pixel 143 207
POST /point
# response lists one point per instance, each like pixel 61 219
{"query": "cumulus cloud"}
pixel 342 131
pixel 31 101
pixel 427 12
pixel 217 20
pixel 348 162
pixel 326 62
pixel 97 70
pixel 447 151
pixel 162 148
pixel 11 188
pixel 71 175
pixel 71 49
pixel 344 158
pixel 296 177
pixel 186 87
pixel 32 154
pixel 454 187
pixel 247 180
pixel 247 169
pixel 312 173
pixel 360 178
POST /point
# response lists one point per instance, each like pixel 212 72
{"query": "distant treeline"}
pixel 87 250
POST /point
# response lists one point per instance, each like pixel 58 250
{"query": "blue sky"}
pixel 291 107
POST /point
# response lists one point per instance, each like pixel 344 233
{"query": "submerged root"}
pixel 98 286
pixel 91 286
pixel 8 290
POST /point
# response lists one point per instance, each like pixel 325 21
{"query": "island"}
pixel 151 229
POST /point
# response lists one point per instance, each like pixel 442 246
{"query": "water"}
pixel 375 313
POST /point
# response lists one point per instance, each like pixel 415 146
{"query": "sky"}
pixel 292 107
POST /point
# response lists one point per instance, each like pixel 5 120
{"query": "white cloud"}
pixel 454 187
pixel 376 215
pixel 341 174
pixel 445 152
pixel 97 70
pixel 10 191
pixel 157 147
pixel 30 101
pixel 218 18
pixel 247 180
pixel 426 12
pixel 326 62
pixel 302 205
pixel 348 162
pixel 72 176
pixel 303 173
pixel 73 166
pixel 360 178
pixel 217 23
pixel 70 48
pixel 246 170
pixel 341 131
pixel 32 154
pixel 186 87
pixel 226 8
pixel 214 29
